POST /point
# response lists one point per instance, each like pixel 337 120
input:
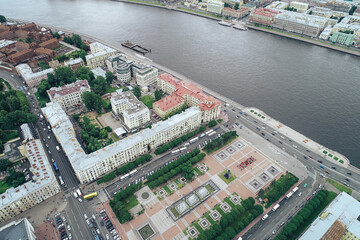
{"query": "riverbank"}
pixel 305 39
pixel 316 147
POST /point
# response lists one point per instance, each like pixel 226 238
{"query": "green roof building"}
pixel 342 38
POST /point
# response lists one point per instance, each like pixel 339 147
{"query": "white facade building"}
pixel 145 75
pixel 215 6
pixel 69 95
pixel 132 112
pixel 99 53
pixel 89 167
pixel 31 78
pixel 43 185
pixel 123 71
pixel 300 7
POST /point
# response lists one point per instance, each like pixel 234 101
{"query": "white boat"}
pixel 226 24
pixel 240 27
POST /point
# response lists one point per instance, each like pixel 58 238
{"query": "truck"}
pixel 79 192
pixel 295 189
pixel 275 207
pixel 265 217
pixel 58 148
pixel 75 195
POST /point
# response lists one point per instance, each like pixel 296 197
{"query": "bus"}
pixel 276 207
pixel 125 176
pixel 61 180
pixel 182 149
pixel 133 172
pixel 208 132
pixel 212 133
pixel 289 195
pixel 295 189
pixel 194 140
pixel 90 196
pixel 79 192
pixel 55 166
pixel 175 152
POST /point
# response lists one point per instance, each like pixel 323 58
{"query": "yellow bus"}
pixel 90 196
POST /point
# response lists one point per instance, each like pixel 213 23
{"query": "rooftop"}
pixel 265 12
pixel 15 230
pixel 99 72
pixel 4 43
pixel 26 131
pixel 42 174
pixel 310 20
pixel 26 72
pixel 344 209
pixel 132 103
pixel 101 49
pixel 169 102
pixel 79 85
pixel 73 61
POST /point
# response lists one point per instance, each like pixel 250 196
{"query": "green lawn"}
pixel 147 100
pixel 339 186
pixel 314 215
pixel 111 89
pixel 232 178
pixel 131 202
pixel 114 137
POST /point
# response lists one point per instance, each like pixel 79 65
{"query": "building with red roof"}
pixel 180 93
pixel 263 16
pixel 69 95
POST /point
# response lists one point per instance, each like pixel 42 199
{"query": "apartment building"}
pixel 89 167
pixel 99 53
pixel 299 6
pixel 74 63
pixel 263 16
pixel 145 75
pixel 121 66
pixel 193 96
pixel 131 111
pixel 43 184
pixel 300 23
pixel 278 5
pixel 239 13
pixel 31 78
pixel 69 95
pixel 349 24
pixel 215 6
pixel 21 229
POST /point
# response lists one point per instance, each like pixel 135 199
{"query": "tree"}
pixel 236 7
pixel 64 75
pixel 352 10
pixel 57 35
pixel 99 85
pixel 76 40
pixel 42 87
pixel 109 76
pixel 4 164
pixel 212 123
pixel 226 5
pixel 230 232
pixel 28 40
pixel 2 19
pixel 158 95
pixel 137 92
pixel 92 101
pixel 43 65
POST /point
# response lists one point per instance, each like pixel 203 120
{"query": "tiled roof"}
pixel 169 102
pixel 55 92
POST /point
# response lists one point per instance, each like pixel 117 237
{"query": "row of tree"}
pixel 118 203
pixel 181 165
pixel 176 142
pixel 233 222
pixel 132 165
pixel 303 215
pixel 220 142
pixel 76 54
pixel 74 40
pixel 212 123
pixel 278 188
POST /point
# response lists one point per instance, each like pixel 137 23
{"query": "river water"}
pixel 311 89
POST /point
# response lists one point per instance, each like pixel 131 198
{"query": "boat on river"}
pixel 225 23
pixel 240 27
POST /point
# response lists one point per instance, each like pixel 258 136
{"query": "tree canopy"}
pixel 2 19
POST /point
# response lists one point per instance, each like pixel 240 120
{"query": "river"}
pixel 311 89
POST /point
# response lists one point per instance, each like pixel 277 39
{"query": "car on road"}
pixel 265 217
pixel 305 157
pixel 101 223
pixel 333 167
pixel 85 216
pixel 347 179
pixel 349 173
pixel 310 157
pixel 307 199
pixel 346 184
pixel 300 194
pixel 322 166
pixel 280 142
pixel 320 161
pixel 327 171
pixel 274 231
pixel 282 223
pixel 107 236
pixel 305 184
pixel 68 227
pixel 294 146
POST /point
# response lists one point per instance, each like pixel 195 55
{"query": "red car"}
pixel 308 198
pixel 327 172
pixel 310 157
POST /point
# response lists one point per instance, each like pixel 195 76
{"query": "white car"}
pixel 107 236
pixel 79 199
pixel 85 216
pixel 68 227
pixel 300 194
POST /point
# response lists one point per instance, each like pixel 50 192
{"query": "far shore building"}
pixel 193 96
pixel 31 78
pixel 145 75
pixel 74 63
pixel 239 13
pixel 20 229
pixel 89 167
pixel 43 184
pixel 69 95
pixel 99 53
pixel 130 110
pixel 308 25
pixel 299 6
pixel 214 6
pixel 263 16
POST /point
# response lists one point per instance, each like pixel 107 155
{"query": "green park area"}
pixel 339 186
pixel 147 100
pixel 227 180
pixel 218 143
pixel 14 179
pixel 277 188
